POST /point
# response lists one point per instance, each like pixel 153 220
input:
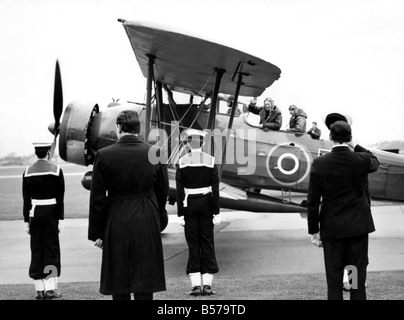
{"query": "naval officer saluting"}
pixel 197 184
pixel 43 190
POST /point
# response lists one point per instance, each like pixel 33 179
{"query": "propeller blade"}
pixel 57 106
pixel 57 99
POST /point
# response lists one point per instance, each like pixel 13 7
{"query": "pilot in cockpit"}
pixel 270 115
pixel 230 101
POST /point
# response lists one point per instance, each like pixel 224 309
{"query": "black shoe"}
pixel 39 295
pixel 207 290
pixel 51 294
pixel 196 291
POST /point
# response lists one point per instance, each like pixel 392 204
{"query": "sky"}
pixel 335 55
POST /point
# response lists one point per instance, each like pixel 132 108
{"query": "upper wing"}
pixel 185 63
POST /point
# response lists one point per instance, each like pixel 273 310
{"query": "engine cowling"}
pixel 84 130
pixel 75 130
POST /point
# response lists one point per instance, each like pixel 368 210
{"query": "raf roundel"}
pixel 288 164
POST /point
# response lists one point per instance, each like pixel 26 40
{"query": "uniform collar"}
pixel 129 137
pixel 340 147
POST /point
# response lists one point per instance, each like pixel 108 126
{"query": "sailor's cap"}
pixel 336 116
pixel 42 145
pixel 195 132
pixel 42 140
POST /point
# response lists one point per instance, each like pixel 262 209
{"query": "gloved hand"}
pixel 216 219
pixel 181 221
pixel 26 227
pixel 352 145
pixel 316 240
pixel 253 101
pixel 61 225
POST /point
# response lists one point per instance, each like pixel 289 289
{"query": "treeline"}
pixel 14 160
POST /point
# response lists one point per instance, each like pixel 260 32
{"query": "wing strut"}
pixel 159 101
pixel 149 94
pixel 212 113
pixel 233 110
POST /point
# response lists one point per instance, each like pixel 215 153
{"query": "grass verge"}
pixel 384 285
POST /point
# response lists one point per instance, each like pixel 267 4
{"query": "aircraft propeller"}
pixel 57 106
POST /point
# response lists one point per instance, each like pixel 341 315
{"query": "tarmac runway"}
pixel 247 245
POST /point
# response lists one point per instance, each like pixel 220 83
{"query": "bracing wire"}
pixel 177 148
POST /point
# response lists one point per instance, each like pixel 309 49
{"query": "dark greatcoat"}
pixel 338 203
pixel 338 206
pixel 128 196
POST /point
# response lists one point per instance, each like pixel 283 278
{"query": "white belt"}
pixel 41 202
pixel 193 191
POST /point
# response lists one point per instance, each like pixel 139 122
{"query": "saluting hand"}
pixel 98 243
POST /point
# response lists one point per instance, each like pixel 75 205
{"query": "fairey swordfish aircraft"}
pixel 250 159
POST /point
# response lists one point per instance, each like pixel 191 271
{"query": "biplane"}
pixel 250 159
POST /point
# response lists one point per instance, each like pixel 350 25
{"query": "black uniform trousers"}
pixel 342 252
pixel 199 234
pixel 45 248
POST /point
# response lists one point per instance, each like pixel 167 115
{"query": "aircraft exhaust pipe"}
pixel 261 203
pixel 86 180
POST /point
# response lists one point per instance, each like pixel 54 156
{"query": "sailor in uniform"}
pixel 197 183
pixel 43 190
